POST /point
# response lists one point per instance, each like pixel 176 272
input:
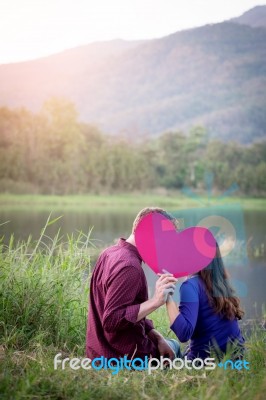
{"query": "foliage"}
pixel 53 153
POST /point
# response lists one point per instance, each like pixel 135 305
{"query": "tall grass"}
pixel 44 291
pixel 43 311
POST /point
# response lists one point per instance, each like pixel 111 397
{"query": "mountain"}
pixel 256 17
pixel 214 76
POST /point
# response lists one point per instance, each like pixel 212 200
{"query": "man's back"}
pixel 118 287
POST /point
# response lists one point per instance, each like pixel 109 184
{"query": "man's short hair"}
pixel 148 210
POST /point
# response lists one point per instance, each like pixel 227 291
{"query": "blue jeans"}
pixel 175 346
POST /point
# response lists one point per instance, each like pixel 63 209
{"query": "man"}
pixel 119 304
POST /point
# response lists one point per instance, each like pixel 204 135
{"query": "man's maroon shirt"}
pixel 118 287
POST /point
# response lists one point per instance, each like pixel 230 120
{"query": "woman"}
pixel 208 312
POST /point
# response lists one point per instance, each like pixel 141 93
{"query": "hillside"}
pixel 214 75
pixel 256 17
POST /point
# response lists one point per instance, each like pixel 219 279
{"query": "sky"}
pixel 31 29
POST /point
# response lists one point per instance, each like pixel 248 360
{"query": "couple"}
pixel 117 325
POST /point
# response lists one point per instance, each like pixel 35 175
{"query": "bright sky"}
pixel 34 28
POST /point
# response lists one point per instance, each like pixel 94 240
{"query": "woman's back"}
pixel 199 322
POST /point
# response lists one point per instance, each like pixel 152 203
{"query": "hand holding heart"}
pixel 165 285
pixel 180 253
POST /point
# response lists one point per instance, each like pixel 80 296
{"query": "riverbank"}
pixel 43 311
pixel 124 202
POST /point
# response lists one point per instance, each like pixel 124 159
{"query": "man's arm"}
pixel 119 308
pixel 164 286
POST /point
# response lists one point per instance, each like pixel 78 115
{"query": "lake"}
pixel 248 270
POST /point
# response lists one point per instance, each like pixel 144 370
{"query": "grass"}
pixel 43 311
pixel 123 202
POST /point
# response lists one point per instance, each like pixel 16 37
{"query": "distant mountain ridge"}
pixel 214 76
pixel 256 17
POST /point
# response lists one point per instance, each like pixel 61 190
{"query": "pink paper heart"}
pixel 181 253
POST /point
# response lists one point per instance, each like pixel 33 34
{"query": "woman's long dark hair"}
pixel 220 293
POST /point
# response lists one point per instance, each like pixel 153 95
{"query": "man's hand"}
pixel 165 350
pixel 163 347
pixel 165 285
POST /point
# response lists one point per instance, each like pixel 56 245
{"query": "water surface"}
pixel 108 226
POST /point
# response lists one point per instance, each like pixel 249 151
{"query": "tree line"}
pixel 52 152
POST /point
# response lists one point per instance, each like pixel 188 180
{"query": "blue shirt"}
pixel 198 321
